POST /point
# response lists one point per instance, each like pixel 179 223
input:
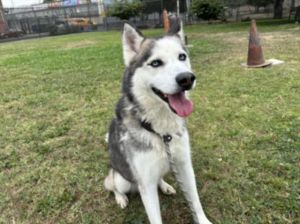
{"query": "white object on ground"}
pixel 276 61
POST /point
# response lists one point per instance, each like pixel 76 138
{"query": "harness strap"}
pixel 167 138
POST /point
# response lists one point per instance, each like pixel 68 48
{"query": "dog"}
pixel 149 129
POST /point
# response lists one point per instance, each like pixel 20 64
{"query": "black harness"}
pixel 167 138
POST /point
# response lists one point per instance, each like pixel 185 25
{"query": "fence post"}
pixel 36 19
pixel 3 23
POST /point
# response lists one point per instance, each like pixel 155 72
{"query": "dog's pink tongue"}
pixel 181 104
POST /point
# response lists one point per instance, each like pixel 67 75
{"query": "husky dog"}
pixel 149 122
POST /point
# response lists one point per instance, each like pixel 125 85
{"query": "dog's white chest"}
pixel 152 164
pixel 155 163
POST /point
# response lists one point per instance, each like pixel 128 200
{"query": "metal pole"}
pixel 37 20
pixel 188 5
pixel 89 10
pixel 178 9
pixel 2 17
pixel 100 7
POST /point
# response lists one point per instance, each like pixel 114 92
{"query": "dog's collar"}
pixel 167 138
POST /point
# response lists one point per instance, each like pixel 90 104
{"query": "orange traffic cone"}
pixel 255 53
pixel 166 21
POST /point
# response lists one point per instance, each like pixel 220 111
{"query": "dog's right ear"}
pixel 176 28
pixel 131 40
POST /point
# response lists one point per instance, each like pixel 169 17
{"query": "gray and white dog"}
pixel 149 129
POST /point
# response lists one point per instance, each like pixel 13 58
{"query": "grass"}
pixel 57 96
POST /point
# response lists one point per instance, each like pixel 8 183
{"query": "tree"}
pixel 278 6
pixel 278 9
pixel 151 6
pixel 125 9
pixel 207 9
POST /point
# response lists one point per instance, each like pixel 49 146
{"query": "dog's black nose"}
pixel 185 80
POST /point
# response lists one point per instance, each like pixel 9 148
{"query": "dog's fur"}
pixel 138 156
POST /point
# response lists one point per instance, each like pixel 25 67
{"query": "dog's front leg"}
pixel 149 195
pixel 186 177
pixel 147 169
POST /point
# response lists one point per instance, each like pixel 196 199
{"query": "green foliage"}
pixel 125 9
pixel 206 9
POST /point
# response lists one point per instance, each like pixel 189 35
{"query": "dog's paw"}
pixel 121 200
pixel 204 220
pixel 166 188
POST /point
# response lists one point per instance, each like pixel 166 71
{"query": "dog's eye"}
pixel 182 57
pixel 156 63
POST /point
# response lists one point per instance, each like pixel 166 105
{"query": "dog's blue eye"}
pixel 156 63
pixel 182 57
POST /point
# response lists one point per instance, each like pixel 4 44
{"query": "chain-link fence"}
pixel 47 18
pixel 60 18
pixel 54 19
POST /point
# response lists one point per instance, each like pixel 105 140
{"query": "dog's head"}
pixel 158 70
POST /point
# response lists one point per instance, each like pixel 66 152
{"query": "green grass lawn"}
pixel 57 96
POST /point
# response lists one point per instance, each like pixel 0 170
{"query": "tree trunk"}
pixel 278 9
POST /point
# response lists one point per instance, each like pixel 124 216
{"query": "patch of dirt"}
pixel 280 36
pixel 79 44
pixel 226 36
pixel 274 37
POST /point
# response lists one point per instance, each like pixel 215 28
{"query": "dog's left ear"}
pixel 176 28
pixel 131 40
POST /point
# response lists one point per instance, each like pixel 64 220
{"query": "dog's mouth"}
pixel 178 102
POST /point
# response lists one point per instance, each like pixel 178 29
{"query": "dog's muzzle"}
pixel 185 80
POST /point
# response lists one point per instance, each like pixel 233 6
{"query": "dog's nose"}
pixel 185 80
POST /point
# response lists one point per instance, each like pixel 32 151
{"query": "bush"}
pixel 125 9
pixel 207 9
